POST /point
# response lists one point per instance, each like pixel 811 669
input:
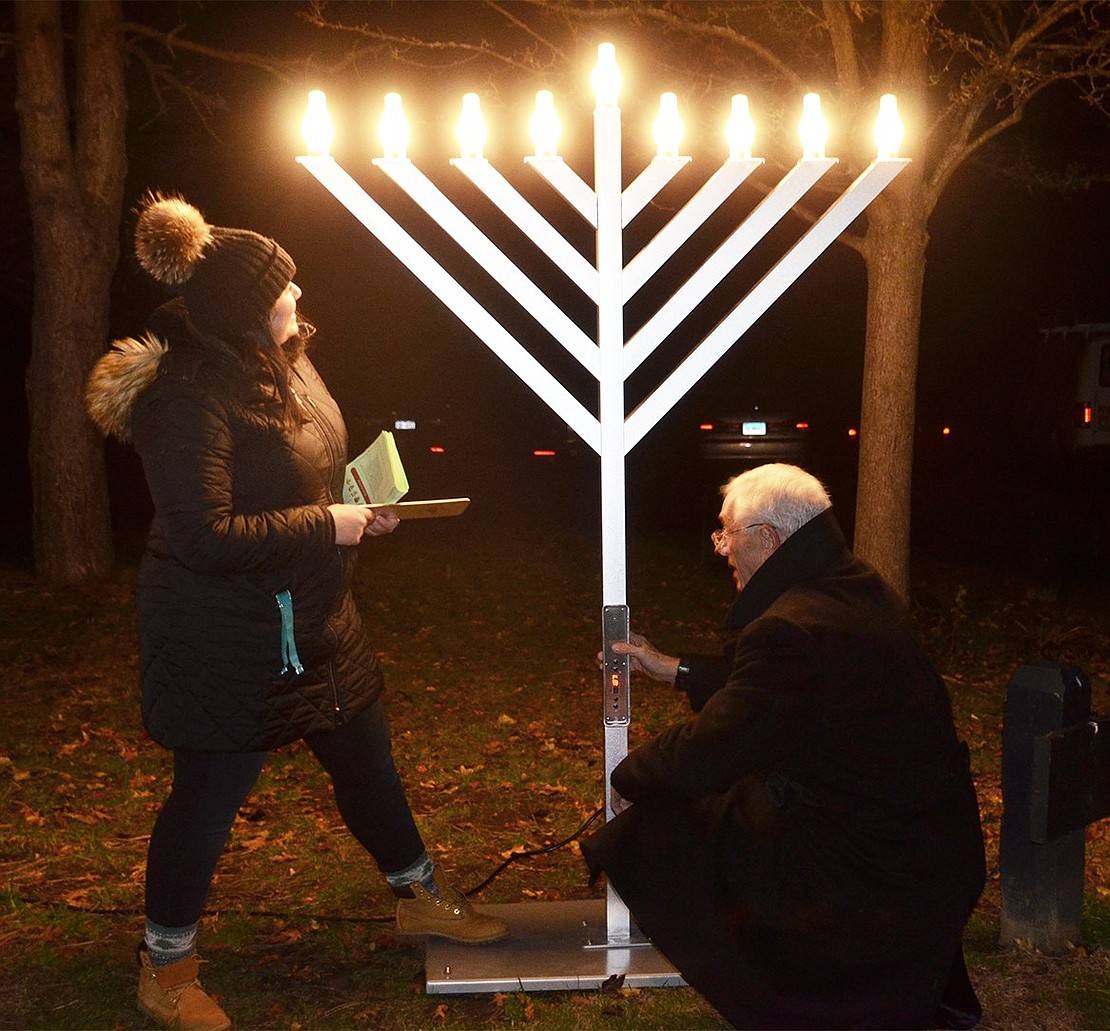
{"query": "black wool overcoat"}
pixel 248 635
pixel 807 848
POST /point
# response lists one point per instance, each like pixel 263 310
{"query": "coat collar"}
pixel 816 548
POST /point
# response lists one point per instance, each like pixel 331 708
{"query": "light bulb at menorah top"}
pixel 607 280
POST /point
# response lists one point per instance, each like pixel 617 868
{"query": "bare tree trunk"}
pixel 895 256
pixel 894 251
pixel 74 165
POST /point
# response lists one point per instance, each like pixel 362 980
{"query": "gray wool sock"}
pixel 167 945
pixel 421 871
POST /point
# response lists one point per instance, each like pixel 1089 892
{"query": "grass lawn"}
pixel 487 626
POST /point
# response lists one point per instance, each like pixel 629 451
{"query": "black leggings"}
pixel 209 788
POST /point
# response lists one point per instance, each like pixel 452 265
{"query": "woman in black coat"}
pixel 807 849
pixel 249 638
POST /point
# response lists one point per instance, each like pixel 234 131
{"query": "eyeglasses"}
pixel 718 537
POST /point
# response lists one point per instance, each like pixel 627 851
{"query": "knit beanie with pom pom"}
pixel 228 278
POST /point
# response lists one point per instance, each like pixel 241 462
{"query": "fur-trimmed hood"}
pixel 117 380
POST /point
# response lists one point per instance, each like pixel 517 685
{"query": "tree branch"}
pixel 285 70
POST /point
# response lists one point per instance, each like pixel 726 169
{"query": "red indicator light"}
pixel 543 453
pixel 946 431
pixel 801 425
pixel 435 449
pixel 706 426
pixel 1088 414
pixel 852 431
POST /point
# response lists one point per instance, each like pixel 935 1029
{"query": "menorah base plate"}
pixel 551 947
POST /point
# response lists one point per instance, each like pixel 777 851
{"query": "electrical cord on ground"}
pixel 528 854
pixel 512 858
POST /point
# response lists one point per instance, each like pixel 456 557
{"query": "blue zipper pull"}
pixel 289 657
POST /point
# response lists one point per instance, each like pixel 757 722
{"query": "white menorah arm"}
pixel 805 251
pixel 530 222
pixel 468 236
pixel 569 184
pixel 724 259
pixel 647 184
pixel 352 196
pixel 720 186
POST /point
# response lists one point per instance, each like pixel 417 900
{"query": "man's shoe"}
pixel 172 995
pixel 447 915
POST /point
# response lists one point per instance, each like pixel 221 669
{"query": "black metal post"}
pixel 1042 882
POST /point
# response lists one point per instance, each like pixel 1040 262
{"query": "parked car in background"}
pixel 935 440
pixel 1069 402
pixel 753 436
pixel 554 443
pixel 431 450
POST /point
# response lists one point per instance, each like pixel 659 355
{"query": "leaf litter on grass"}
pixel 492 689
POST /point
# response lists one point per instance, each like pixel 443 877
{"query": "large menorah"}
pixel 538 954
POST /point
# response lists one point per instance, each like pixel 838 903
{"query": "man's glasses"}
pixel 718 537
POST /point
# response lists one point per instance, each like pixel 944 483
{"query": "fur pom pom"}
pixel 170 238
pixel 116 381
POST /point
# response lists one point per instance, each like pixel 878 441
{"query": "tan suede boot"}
pixel 172 995
pixel 447 915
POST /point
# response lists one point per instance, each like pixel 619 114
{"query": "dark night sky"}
pixel 1002 263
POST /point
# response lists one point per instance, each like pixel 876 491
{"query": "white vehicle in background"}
pixel 1060 443
pixel 1072 382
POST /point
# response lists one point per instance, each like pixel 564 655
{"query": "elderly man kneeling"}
pixel 806 849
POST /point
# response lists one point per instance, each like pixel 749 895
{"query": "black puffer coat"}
pixel 248 634
pixel 807 849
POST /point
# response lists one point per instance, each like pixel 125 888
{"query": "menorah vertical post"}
pixel 610 338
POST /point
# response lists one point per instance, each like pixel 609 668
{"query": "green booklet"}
pixel 377 476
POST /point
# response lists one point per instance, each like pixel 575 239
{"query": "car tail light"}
pixel 801 425
pixel 706 426
pixel 543 453
pixel 435 449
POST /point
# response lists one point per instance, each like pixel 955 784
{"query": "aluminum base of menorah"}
pixel 552 946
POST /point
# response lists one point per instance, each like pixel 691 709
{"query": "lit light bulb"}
pixel 471 129
pixel 607 76
pixel 317 126
pixel 393 129
pixel 888 127
pixel 545 126
pixel 668 126
pixel 813 128
pixel 740 130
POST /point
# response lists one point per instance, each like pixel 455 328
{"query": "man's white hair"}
pixel 782 495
